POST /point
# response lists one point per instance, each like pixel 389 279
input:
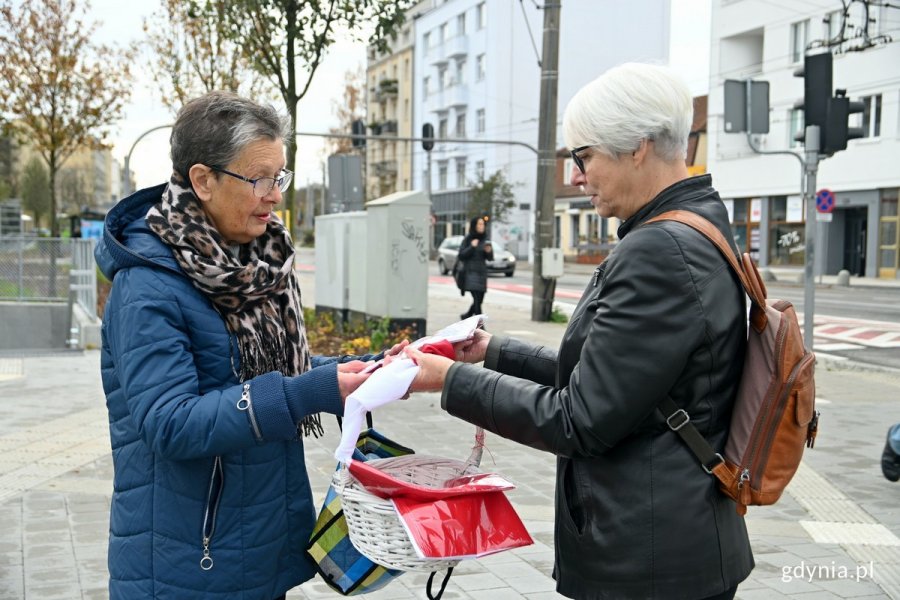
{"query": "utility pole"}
pixel 810 169
pixel 544 289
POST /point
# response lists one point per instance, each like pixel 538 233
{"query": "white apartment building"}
pixel 477 76
pixel 766 41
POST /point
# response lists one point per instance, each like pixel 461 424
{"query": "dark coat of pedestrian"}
pixel 474 252
pixel 664 316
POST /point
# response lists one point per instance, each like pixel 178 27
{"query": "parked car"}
pixel 504 260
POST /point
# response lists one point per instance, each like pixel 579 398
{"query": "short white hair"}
pixel 628 104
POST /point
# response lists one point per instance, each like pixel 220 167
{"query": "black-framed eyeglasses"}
pixel 579 162
pixel 262 186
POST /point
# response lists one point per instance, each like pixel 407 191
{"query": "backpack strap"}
pixel 745 270
pixel 677 418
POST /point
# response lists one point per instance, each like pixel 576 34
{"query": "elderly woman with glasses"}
pixel 663 317
pixel 208 376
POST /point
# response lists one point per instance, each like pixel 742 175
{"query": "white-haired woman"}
pixel 209 380
pixel 663 316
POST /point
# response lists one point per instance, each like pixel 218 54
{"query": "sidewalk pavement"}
pixel 833 535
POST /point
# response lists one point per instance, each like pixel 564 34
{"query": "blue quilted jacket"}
pixel 211 498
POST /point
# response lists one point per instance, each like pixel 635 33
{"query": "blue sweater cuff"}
pixel 270 407
pixel 313 392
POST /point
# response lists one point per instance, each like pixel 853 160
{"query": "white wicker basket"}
pixel 375 527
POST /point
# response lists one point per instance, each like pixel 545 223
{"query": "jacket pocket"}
pixel 574 497
pixel 213 496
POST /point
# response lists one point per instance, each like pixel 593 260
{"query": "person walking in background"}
pixel 474 252
pixel 663 317
pixel 209 381
pixel 890 458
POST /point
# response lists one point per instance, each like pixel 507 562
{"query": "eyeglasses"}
pixel 579 162
pixel 263 186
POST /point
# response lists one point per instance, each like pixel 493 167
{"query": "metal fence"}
pixel 36 269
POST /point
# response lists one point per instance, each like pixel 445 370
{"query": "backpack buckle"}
pixel 672 420
pixel 719 461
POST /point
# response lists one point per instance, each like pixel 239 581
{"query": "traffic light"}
pixel 427 137
pixel 816 73
pixel 357 127
pixel 838 130
pixel 830 113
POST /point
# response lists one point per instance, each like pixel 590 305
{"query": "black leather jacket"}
pixel 636 515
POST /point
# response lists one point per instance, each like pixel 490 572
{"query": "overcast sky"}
pixel 689 55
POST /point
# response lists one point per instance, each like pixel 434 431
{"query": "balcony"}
pixel 435 102
pixel 389 127
pixel 456 96
pixel 385 168
pixel 456 47
pixel 387 88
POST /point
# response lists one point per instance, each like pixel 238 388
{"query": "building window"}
pixel 442 176
pixel 575 228
pixel 479 120
pixel 442 128
pixel 834 22
pixel 786 231
pixel 799 39
pixel 871 116
pixel 446 78
pixel 406 109
pixel 481 11
pixel 889 234
pixel 461 172
pixel 479 170
pixel 460 71
pixel 461 24
pixel 444 33
pixel 797 127
pixel 479 67
pixel 426 42
pixel 461 125
pixel 426 85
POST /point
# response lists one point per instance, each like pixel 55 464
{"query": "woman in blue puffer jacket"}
pixel 208 377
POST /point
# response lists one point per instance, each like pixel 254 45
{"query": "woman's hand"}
pixel 432 371
pixel 474 242
pixel 348 382
pixel 473 349
pixel 354 366
pixel 396 348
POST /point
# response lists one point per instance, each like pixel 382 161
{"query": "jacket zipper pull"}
pixel 596 279
pixel 206 563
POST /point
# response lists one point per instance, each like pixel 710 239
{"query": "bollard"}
pixel 843 278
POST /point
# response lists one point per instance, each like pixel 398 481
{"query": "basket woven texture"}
pixel 375 527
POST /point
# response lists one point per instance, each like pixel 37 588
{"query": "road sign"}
pixel 824 217
pixel 824 200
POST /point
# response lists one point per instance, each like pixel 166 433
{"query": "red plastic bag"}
pixel 466 517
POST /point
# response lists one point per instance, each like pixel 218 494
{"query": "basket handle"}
pixel 474 459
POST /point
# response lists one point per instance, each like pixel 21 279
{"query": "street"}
pixel 859 324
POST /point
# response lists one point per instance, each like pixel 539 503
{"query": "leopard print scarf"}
pixel 256 292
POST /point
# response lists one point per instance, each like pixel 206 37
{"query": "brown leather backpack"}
pixel 774 415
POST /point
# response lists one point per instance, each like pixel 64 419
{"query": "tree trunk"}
pixel 54 227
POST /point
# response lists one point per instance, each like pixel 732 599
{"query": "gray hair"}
pixel 628 104
pixel 214 129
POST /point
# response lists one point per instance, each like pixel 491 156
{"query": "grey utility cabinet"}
pixel 397 259
pixel 341 265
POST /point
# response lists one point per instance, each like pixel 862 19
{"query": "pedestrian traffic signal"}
pixel 838 130
pixel 427 137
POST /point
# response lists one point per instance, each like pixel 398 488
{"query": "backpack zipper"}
pixel 209 514
pixel 782 401
pixel 764 409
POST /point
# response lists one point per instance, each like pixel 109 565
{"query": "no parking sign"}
pixel 824 204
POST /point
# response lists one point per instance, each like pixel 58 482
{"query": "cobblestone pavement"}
pixel 833 535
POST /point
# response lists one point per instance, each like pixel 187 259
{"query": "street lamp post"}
pixel 127 184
